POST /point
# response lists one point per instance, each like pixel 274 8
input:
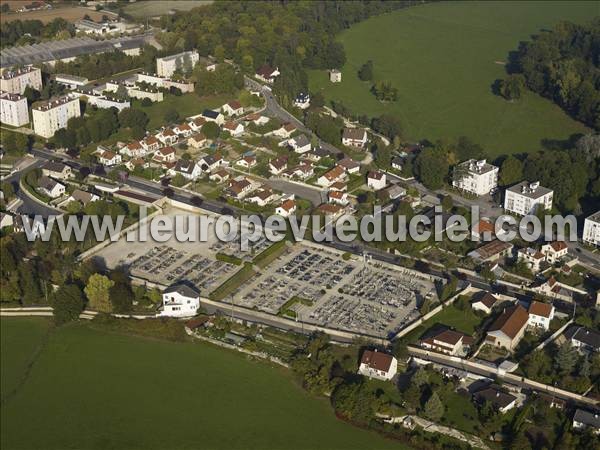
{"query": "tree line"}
pixel 563 65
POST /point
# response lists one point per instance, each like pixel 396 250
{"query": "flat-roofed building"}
pixel 476 177
pixel 591 229
pixel 13 109
pixel 166 67
pixel 50 116
pixel 525 198
pixel 70 81
pixel 15 81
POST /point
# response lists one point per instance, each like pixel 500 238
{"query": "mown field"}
pixel 89 389
pixel 443 58
pixel 151 8
pixel 70 13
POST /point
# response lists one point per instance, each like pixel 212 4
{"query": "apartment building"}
pixel 166 67
pixel 476 177
pixel 13 109
pixel 50 116
pixel 591 229
pixel 15 81
pixel 525 198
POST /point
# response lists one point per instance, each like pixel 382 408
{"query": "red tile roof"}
pixel 511 321
pixel 540 309
pixel 377 360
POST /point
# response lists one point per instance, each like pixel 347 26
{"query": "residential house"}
pixel 108 158
pixel 483 230
pixel 240 187
pixel 267 73
pixel 213 116
pixel 82 197
pixel 56 170
pixel 257 119
pixel 449 342
pixel 233 108
pixel 134 149
pixel 339 186
pixel 591 229
pixel 211 162
pixel 540 315
pixel 234 129
pixel 525 198
pixel 395 191
pixel 261 197
pixel 302 101
pixel 491 251
pixel 278 165
pixel 338 197
pixel 555 251
pixel 554 289
pixel 247 162
pixel 134 163
pixel 197 123
pixel 167 137
pixel 186 168
pixel 508 329
pixel 379 365
pixel 164 155
pixel 300 144
pixel 584 338
pixel 330 211
pixel 349 165
pixel 532 257
pixel 219 176
pixel 285 131
pixel 376 180
pixel 476 177
pixel 328 178
pixel 397 163
pixel 484 301
pixel 287 208
pixel 183 130
pixel 354 137
pixel 150 144
pixel 500 400
pixel 197 140
pixel 6 220
pixel 335 76
pixel 583 420
pixel 302 172
pixel 180 301
pixel 50 187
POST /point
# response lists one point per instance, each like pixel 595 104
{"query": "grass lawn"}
pixel 443 58
pixel 460 412
pixel 186 105
pixel 141 10
pixel 95 390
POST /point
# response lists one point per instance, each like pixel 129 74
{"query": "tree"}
pixel 67 303
pixel 97 291
pixel 512 87
pixel 8 190
pixel 511 171
pixel 365 73
pixel 171 115
pixel 121 297
pixel 211 130
pixel 432 167
pixel 565 358
pixel 384 91
pixel 434 409
pixel 146 102
pixel 132 118
pixel 447 203
pixel 387 125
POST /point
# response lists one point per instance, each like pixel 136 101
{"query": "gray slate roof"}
pixel 587 417
pixel 182 289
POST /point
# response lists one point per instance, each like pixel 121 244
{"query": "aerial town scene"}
pixel 323 225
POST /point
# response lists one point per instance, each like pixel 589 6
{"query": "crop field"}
pixel 69 13
pixel 90 389
pixel 443 58
pixel 152 8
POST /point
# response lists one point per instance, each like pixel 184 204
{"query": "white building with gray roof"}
pixel 525 198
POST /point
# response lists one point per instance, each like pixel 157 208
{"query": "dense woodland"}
pixel 564 66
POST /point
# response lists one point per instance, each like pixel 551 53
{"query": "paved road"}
pixel 30 207
pixel 478 369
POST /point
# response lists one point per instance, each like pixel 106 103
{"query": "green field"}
pixel 95 390
pixel 443 58
pixel 152 8
pixel 186 105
